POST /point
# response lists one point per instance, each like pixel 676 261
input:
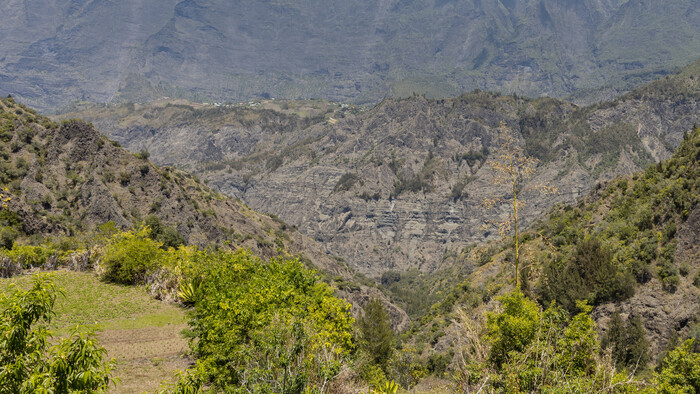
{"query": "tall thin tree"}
pixel 512 168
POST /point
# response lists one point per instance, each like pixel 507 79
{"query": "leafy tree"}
pixel 267 327
pixel 680 371
pixel 375 332
pixel 512 168
pixel 28 362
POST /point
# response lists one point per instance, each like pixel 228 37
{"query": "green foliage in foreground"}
pixel 28 361
pixel 265 327
pixel 255 326
pixel 527 349
pixel 523 348
pixel 680 372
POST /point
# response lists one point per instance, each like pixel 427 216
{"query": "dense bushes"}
pixel 129 256
pixel 680 372
pixel 635 221
pixel 589 274
pixel 255 326
pixel 527 349
pixel 513 329
pixel 268 327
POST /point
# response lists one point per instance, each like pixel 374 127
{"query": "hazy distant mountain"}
pixel 56 51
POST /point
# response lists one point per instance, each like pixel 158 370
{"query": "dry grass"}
pixel 145 356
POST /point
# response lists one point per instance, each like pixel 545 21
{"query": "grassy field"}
pixel 141 333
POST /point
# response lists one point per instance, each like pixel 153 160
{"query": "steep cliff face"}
pixel 54 52
pixel 401 186
pixel 68 178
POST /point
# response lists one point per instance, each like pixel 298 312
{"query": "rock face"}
pixel 401 186
pixel 54 52
pixel 665 313
pixel 69 178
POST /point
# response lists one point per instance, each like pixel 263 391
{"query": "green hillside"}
pixel 591 310
pixel 628 249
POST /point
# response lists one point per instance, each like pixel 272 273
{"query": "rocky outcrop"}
pixel 9 267
pixel 68 179
pixel 401 186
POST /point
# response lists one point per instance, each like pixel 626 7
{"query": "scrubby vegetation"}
pixel 275 321
pixel 626 234
pixel 266 327
pixel 599 251
pixel 273 325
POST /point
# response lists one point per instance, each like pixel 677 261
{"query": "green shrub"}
pixel 8 235
pixel 267 327
pixel 579 344
pixel 346 182
pixel 142 154
pixel 130 256
pixel 124 178
pixel 457 191
pixel 668 273
pixel 514 328
pixel 438 363
pixel 168 236
pixel 30 256
pixel 406 367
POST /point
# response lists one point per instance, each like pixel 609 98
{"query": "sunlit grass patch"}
pixel 89 301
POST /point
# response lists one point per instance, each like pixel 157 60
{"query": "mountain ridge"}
pixel 101 51
pixel 66 179
pixel 400 186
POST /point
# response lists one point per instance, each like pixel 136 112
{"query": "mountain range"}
pixel 400 186
pixel 55 52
